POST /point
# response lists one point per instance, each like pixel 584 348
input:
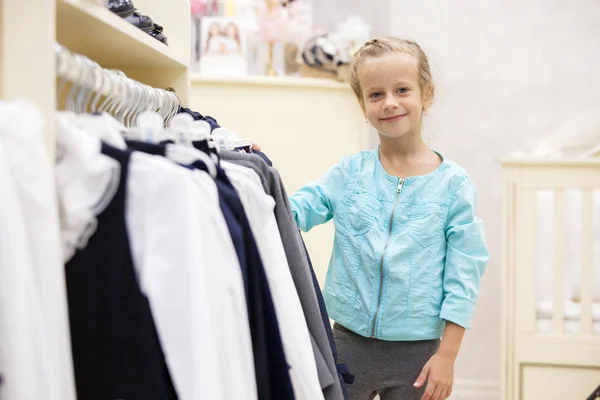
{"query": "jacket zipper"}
pixel 400 185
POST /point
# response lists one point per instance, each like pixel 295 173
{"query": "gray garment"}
pixel 387 369
pixel 244 160
pixel 302 276
pixel 300 271
pixel 254 167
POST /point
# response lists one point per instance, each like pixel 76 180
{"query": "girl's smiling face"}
pixel 391 98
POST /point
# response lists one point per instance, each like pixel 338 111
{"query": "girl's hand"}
pixel 439 375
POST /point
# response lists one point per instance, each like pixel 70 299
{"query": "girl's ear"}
pixel 427 102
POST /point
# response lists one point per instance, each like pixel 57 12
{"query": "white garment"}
pixel 34 179
pixel 32 363
pixel 228 297
pixel 86 182
pixel 292 323
pixel 187 267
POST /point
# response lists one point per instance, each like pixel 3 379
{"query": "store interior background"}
pixel 508 74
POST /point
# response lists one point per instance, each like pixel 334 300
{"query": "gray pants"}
pixel 383 368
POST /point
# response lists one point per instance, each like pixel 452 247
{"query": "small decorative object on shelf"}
pixel 126 10
pixel 329 55
pixel 223 48
pixel 272 29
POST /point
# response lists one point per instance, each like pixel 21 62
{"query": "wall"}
pixel 328 13
pixel 508 73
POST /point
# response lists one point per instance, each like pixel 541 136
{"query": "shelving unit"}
pixel 29 29
pixel 270 81
pixel 92 30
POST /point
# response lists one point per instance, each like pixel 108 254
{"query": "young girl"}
pixel 233 43
pixel 409 251
pixel 213 43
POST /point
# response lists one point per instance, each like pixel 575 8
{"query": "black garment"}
pixel 116 350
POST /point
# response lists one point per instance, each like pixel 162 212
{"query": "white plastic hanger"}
pixel 200 131
pixel 74 68
pixel 183 152
pixel 180 129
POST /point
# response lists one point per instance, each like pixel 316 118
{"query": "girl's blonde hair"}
pixel 382 46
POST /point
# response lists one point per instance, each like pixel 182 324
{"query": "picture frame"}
pixel 222 48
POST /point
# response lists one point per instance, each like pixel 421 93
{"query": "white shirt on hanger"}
pixel 187 267
pixel 86 181
pixel 292 323
pixel 35 357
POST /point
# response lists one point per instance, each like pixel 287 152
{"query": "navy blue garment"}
pixel 343 371
pixel 197 117
pixel 195 114
pixel 212 122
pixel 148 148
pixel 272 370
pixel 202 145
pixel 116 350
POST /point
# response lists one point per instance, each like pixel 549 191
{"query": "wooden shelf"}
pixel 92 30
pixel 281 81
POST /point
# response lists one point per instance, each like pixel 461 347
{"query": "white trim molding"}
pixel 467 389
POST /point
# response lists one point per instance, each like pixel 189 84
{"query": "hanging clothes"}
pixel 116 350
pixel 294 332
pixel 180 274
pixel 298 263
pixel 270 365
pixel 32 339
pixel 200 310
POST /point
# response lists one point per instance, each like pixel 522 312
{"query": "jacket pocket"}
pixel 360 210
pixel 426 224
pixel 426 228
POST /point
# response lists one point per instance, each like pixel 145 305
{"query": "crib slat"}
pixel 558 312
pixel 525 271
pixel 586 263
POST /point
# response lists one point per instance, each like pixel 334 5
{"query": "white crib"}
pixel 551 279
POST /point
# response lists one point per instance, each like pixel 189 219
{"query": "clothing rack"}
pixel 123 97
pixel 28 68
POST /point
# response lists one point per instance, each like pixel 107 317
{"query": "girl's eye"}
pixel 375 95
pixel 403 90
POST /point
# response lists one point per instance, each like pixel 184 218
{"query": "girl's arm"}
pixel 439 370
pixel 466 258
pixel 451 341
pixel 315 203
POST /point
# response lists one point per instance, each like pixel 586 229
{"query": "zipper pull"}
pixel 400 184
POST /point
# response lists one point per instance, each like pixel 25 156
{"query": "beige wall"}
pixel 508 73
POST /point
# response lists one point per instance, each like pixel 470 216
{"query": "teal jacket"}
pixel 408 254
